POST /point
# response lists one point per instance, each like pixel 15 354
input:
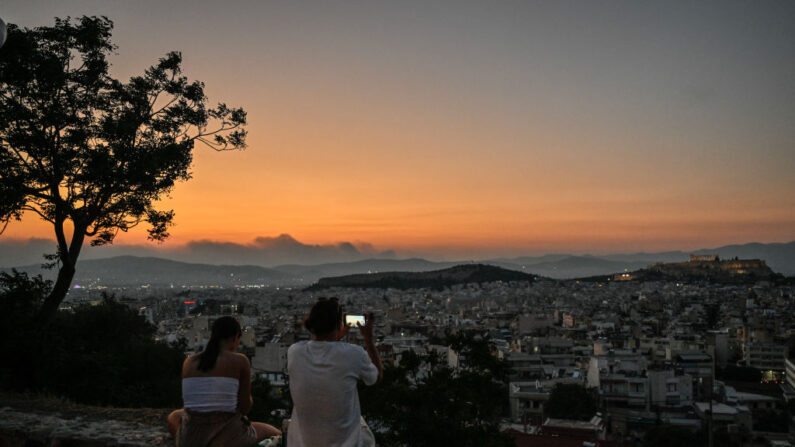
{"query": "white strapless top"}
pixel 204 394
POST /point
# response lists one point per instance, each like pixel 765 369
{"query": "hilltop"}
pixel 700 268
pixel 435 279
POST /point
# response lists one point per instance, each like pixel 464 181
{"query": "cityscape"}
pixel 397 224
pixel 646 347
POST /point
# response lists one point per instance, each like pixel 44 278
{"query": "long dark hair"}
pixel 224 328
pixel 325 316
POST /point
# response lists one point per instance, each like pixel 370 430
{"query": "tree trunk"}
pixel 68 256
pixel 57 295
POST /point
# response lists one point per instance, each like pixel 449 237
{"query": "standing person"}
pixel 323 376
pixel 216 391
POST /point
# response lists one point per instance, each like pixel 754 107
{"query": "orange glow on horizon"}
pixel 446 204
pixel 518 135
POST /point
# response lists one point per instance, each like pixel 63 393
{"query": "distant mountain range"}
pixel 262 251
pixel 133 270
pixel 779 256
pixel 158 271
pixel 566 267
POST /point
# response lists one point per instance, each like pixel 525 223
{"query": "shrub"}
pixel 102 355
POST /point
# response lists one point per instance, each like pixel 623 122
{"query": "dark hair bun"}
pixel 325 316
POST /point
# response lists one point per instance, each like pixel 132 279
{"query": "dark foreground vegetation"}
pixel 103 354
pixel 99 355
pixel 436 405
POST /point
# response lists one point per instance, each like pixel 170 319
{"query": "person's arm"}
pixel 244 398
pixel 369 344
pixel 186 366
pixel 344 331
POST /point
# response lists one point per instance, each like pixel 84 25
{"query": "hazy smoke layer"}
pixel 264 251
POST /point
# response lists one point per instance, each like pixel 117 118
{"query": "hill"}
pixel 731 271
pixel 579 266
pixel 780 257
pixel 436 279
pixel 552 266
pixel 311 273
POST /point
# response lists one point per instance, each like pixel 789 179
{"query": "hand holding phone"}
pixel 354 320
pixel 366 328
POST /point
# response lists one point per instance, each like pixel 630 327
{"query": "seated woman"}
pixel 216 392
pixel 324 373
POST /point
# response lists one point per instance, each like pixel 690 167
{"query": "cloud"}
pixel 270 251
pixel 265 251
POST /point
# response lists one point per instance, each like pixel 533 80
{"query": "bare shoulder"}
pixel 189 364
pixel 236 358
pixel 240 357
pixel 192 358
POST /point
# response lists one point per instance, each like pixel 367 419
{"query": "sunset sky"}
pixel 477 127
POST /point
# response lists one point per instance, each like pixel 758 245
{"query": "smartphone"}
pixel 352 320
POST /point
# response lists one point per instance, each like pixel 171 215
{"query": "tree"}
pixel 712 315
pixel 270 403
pixel 739 373
pixel 423 402
pixel 478 353
pixel 771 420
pixel 88 152
pixel 571 401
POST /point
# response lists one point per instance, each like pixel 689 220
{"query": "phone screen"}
pixel 352 320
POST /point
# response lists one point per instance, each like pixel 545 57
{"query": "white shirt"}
pixel 323 377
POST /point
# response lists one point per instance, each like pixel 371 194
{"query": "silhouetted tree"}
pixel 712 315
pixel 269 402
pixel 424 402
pixel 91 153
pixel 771 419
pixel 478 353
pixel 739 373
pixel 571 401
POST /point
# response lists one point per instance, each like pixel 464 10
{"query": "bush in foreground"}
pixel 103 354
pixel 424 402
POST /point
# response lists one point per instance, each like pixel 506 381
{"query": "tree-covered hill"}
pixel 436 279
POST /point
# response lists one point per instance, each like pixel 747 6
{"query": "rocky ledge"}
pixel 33 422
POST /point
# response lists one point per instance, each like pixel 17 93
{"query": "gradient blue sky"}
pixel 479 127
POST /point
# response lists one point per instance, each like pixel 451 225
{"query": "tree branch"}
pixel 37 211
